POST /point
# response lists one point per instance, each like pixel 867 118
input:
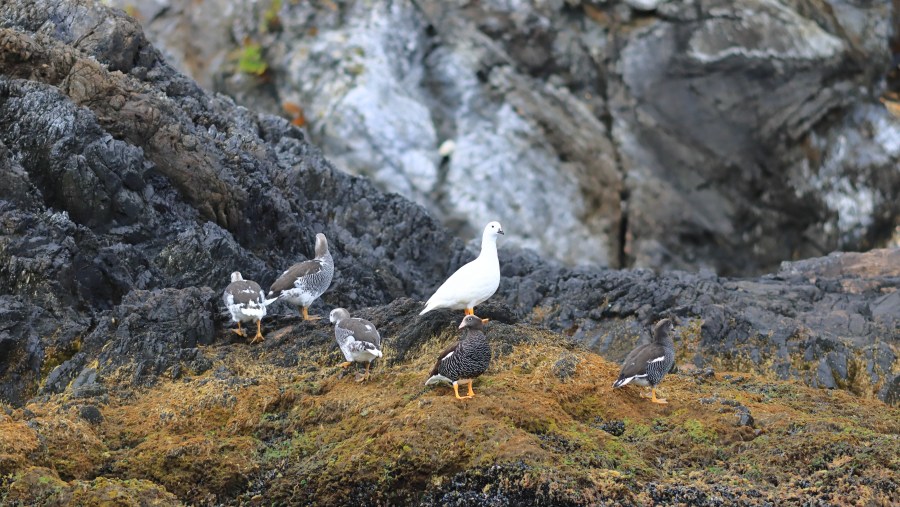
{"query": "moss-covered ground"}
pixel 251 432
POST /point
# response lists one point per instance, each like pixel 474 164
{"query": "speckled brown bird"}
pixel 357 338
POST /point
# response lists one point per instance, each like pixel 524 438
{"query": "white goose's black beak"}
pixel 500 231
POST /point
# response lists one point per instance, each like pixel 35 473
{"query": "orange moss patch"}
pixel 53 437
pixel 17 443
pixel 200 467
pixel 249 431
pixel 70 446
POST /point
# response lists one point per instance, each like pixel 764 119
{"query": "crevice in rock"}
pixel 624 259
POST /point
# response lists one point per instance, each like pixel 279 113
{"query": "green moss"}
pixel 251 60
pixel 698 432
pixel 619 456
pixel 54 357
pixel 636 431
pixel 279 451
pixel 37 486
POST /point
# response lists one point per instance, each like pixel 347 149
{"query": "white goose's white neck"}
pixel 488 245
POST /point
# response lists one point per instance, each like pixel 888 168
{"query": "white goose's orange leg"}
pixel 239 331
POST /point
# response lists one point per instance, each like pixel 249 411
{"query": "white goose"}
pixel 473 283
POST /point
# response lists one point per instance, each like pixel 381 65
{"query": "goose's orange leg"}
pixel 259 337
pixel 456 391
pixel 306 315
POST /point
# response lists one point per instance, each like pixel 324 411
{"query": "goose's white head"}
pixel 491 231
pixel 236 276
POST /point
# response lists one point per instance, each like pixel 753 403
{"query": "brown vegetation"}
pixel 250 431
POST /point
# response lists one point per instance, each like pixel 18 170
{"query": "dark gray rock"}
pixel 480 487
pixel 565 367
pixel 155 333
pixel 90 414
pixel 701 374
pixel 744 418
pixel 87 384
pixel 615 428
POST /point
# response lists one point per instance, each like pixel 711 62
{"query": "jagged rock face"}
pixel 129 194
pixel 711 134
pixel 122 175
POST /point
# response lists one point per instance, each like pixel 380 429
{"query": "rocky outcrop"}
pixel 123 175
pixel 281 423
pixel 716 134
pixel 129 195
pixel 831 321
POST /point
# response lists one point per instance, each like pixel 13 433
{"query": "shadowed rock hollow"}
pixel 127 196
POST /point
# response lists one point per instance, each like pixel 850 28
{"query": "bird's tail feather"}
pixel 436 379
pixel 255 312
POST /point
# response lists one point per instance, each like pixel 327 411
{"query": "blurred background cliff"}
pixel 718 135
